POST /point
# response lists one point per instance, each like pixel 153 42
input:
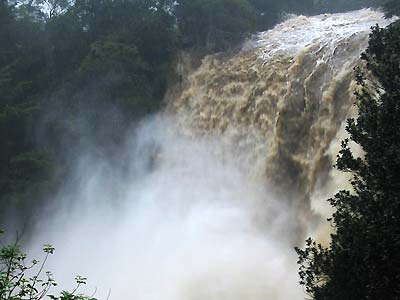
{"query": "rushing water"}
pixel 213 193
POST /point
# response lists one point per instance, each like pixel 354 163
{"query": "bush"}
pixel 362 261
pixel 16 284
pixel 215 24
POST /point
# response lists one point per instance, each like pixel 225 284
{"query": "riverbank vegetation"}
pixel 78 74
pixel 74 73
pixel 362 260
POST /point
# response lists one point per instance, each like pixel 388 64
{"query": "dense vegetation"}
pixel 215 24
pixel 79 73
pixel 343 5
pixel 392 8
pixel 363 258
pixel 74 74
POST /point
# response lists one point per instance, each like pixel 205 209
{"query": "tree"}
pixel 267 13
pixel 392 8
pixel 17 284
pixel 123 72
pixel 363 258
pixel 324 6
pixel 54 8
pixel 214 24
pixel 24 167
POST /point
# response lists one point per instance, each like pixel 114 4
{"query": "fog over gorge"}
pixel 178 226
pixel 211 195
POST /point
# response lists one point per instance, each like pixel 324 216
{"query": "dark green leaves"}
pixel 362 261
pixel 215 24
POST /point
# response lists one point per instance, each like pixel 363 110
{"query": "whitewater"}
pixel 210 196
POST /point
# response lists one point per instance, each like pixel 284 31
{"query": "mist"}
pixel 177 150
pixel 176 222
pixel 207 198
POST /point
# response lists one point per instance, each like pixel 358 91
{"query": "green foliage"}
pixel 64 73
pixel 125 73
pixel 345 5
pixel 24 280
pixel 107 56
pixel 392 8
pixel 215 24
pixel 80 72
pixel 267 13
pixel 54 8
pixel 24 167
pixel 362 260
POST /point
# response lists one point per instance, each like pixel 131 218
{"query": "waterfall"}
pixel 281 104
pixel 209 197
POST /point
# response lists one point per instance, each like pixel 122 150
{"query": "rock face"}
pixel 279 106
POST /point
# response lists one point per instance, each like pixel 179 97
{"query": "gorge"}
pixel 211 195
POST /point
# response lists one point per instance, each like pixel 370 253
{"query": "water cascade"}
pixel 281 104
pixel 214 192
